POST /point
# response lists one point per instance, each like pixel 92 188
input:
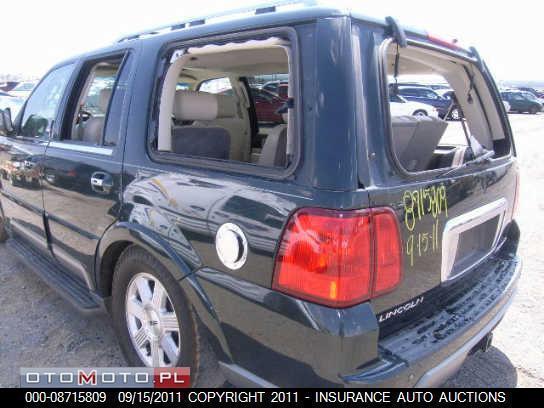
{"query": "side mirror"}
pixel 6 125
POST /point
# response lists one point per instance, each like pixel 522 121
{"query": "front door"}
pixel 22 155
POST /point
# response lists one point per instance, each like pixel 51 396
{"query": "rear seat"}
pixel 415 138
pixel 209 141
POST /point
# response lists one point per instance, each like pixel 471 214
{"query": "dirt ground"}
pixel 38 328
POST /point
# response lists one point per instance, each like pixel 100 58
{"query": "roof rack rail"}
pixel 258 9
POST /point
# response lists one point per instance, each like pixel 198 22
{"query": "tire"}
pixel 420 113
pixel 533 110
pixel 134 266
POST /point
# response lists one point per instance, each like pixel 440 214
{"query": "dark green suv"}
pixel 521 102
pixel 348 245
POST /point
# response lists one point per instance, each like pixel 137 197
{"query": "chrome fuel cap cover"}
pixel 231 246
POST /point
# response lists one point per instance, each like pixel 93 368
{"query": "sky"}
pixel 38 34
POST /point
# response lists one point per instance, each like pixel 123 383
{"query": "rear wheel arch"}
pixel 107 266
pixel 120 238
pixel 117 238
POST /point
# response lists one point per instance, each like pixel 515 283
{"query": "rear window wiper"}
pixel 484 157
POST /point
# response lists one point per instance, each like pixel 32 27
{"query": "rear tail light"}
pixel 339 258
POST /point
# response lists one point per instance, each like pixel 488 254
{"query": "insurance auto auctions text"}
pixel 350 396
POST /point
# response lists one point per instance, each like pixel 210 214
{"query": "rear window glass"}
pixel 442 112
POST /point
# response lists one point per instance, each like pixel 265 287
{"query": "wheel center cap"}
pixel 153 322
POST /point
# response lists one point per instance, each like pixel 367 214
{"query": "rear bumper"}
pixel 275 340
pixel 437 375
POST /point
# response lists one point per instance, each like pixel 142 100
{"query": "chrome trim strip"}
pixel 462 223
pixel 105 151
pixel 447 368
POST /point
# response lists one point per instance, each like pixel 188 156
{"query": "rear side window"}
pixel 42 106
pixel 98 84
pixel 449 118
pixel 223 114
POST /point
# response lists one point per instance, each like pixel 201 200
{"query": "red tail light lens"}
pixel 339 258
pixel 387 253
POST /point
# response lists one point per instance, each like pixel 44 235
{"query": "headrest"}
pixel 104 99
pixel 194 105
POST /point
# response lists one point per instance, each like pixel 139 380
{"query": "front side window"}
pixel 41 108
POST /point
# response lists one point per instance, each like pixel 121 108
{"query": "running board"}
pixel 56 277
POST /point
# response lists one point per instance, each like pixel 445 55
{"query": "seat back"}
pixel 415 139
pixel 94 126
pixel 274 148
pixel 203 141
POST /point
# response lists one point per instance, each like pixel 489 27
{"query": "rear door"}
pixel 82 168
pixel 22 155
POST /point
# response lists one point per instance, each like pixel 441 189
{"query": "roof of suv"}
pixel 256 17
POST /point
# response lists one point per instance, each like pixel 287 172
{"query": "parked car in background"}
pixel 267 104
pixel 12 102
pixel 280 88
pixel 455 112
pixel 532 97
pixel 400 107
pixel 425 95
pixel 533 91
pixel 23 89
pixel 8 85
pixel 432 86
pixel 519 102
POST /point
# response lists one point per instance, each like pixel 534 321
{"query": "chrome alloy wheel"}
pixel 152 322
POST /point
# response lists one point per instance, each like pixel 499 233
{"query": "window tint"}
pixel 409 91
pixel 42 106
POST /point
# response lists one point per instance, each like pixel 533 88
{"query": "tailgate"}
pixel 451 179
pixel 447 228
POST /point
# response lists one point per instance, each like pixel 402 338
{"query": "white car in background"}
pixel 402 107
pixel 12 102
pixel 23 90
